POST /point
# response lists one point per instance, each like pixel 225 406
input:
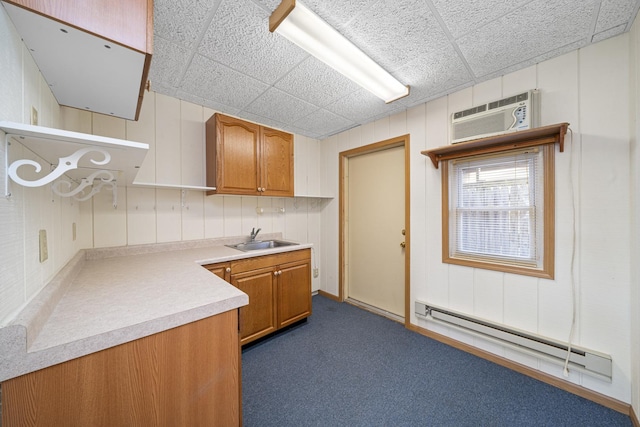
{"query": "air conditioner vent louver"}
pixel 517 112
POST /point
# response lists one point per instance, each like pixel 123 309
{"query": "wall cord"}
pixel 573 257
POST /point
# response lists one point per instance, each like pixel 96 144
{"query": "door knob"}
pixel 403 245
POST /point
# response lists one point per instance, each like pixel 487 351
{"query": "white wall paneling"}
pixel 109 222
pixel 415 127
pixel 141 216
pixel 168 153
pixel 589 89
pixel 213 216
pixel 192 145
pixel 144 130
pixel 301 165
pixel 28 210
pixel 634 45
pixel 192 215
pixel 168 215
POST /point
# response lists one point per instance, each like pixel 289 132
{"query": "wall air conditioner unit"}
pixel 514 113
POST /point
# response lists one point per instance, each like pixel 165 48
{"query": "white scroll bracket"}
pixel 96 181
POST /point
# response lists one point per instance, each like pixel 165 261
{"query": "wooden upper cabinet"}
pixel 232 155
pixel 248 159
pixel 129 23
pixel 277 163
pixel 113 35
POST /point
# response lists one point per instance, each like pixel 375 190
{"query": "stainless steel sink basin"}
pixel 260 244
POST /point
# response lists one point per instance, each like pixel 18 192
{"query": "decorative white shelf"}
pixel 77 156
pixel 172 186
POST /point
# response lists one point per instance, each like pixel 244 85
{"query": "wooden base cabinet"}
pixel 279 290
pixel 186 376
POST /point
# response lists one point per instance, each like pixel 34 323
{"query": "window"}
pixel 498 211
pixel 498 200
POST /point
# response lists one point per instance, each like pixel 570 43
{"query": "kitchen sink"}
pixel 261 244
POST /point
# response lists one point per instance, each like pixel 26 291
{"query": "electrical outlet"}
pixel 316 272
pixel 44 252
pixel 34 116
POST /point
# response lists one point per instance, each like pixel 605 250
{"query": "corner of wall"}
pixel 634 108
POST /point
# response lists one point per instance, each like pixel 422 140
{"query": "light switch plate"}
pixel 44 252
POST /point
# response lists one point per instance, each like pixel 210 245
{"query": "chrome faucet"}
pixel 254 233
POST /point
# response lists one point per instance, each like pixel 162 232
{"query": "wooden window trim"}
pixel 545 137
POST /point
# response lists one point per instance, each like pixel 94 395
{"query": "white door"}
pixel 374 223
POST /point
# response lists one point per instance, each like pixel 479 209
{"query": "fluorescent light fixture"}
pixel 301 26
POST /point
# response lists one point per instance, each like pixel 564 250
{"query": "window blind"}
pixel 496 203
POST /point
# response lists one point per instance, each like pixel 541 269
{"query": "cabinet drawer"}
pixel 249 264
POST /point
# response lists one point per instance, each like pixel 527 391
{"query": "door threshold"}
pixel 375 310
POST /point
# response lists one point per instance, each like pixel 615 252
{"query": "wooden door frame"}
pixel 344 156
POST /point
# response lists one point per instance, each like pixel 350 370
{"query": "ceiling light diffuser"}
pixel 301 26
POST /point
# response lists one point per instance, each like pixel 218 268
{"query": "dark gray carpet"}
pixel 349 367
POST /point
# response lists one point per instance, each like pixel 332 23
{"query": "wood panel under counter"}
pixel 189 375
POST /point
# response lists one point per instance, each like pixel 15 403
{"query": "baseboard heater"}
pixel 583 360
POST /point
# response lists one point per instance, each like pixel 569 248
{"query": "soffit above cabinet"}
pixel 57 147
pixel 83 70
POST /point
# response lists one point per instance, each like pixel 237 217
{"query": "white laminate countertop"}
pixel 112 296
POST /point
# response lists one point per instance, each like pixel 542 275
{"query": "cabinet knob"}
pixel 228 269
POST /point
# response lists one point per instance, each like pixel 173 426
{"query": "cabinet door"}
pixel 221 270
pixel 277 163
pixel 232 155
pixel 294 292
pixel 259 317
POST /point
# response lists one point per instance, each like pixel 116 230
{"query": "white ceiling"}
pixel 220 53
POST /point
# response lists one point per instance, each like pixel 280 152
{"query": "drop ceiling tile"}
pixel 182 21
pixel 360 106
pixel 611 32
pixel 461 17
pixel 338 13
pixel 169 61
pixel 323 123
pixel 236 59
pixel 316 83
pixel 280 106
pixel 195 99
pixel 529 32
pixel 239 37
pixel 269 5
pixel 394 32
pixel 220 84
pixel 431 74
pixel 265 121
pixel 537 59
pixel 614 13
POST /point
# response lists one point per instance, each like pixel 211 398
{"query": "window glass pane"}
pixel 496 204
